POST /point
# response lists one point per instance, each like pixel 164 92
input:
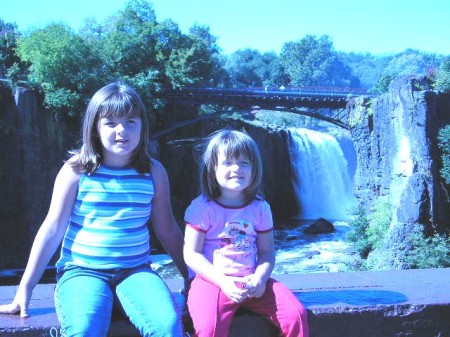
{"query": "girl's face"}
pixel 119 137
pixel 233 174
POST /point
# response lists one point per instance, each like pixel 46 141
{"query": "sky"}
pixel 376 26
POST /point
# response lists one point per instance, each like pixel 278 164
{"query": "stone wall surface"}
pixel 400 303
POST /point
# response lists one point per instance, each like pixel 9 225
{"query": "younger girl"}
pixel 102 200
pixel 229 244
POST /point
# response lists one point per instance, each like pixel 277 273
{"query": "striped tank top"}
pixel 108 225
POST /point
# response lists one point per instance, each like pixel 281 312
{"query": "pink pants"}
pixel 212 311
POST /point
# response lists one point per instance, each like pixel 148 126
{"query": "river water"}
pixel 296 252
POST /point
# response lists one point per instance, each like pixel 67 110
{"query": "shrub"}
pixel 444 145
pixel 369 231
pixel 428 252
pixel 442 81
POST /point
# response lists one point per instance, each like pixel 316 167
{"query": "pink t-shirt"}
pixel 230 232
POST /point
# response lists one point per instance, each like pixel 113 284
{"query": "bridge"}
pixel 267 97
pixel 324 103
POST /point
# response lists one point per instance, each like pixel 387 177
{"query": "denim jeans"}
pixel 84 301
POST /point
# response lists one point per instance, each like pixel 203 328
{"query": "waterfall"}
pixel 320 175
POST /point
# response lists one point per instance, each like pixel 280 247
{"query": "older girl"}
pixel 103 199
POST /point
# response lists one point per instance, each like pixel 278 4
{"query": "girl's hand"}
pixel 234 288
pixel 18 305
pixel 255 286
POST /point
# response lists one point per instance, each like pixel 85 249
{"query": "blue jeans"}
pixel 84 301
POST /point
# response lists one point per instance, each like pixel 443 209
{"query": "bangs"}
pixel 119 106
pixel 234 147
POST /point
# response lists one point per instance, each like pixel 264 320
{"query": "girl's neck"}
pixel 231 199
pixel 116 162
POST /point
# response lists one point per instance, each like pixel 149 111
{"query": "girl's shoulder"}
pixel 201 202
pixel 261 203
pixel 260 200
pixel 69 174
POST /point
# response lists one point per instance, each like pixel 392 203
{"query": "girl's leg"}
pixel 211 311
pixel 279 305
pixel 149 304
pixel 83 303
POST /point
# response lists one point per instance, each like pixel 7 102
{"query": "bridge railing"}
pixel 281 89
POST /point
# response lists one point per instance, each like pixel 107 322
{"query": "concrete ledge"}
pixel 399 303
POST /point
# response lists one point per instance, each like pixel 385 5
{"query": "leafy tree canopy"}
pixel 313 61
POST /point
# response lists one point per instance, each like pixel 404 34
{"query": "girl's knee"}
pixel 165 325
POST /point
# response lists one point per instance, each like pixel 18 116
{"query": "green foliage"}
pixel 382 84
pixel 362 109
pixel 62 64
pixel 428 252
pixel 314 62
pixel 411 63
pixel 8 44
pixel 369 230
pixel 379 223
pixel 11 66
pixel 442 81
pixel 357 235
pixel 250 68
pixel 444 145
pixel 367 68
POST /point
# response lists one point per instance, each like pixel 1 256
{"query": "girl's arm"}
pixel 47 240
pixel 264 264
pixel 164 224
pixel 193 254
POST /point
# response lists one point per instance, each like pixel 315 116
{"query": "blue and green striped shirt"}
pixel 108 226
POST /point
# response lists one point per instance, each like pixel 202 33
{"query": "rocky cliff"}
pixel 33 149
pixel 395 138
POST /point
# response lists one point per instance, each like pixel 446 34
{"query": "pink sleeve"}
pixel 196 215
pixel 266 221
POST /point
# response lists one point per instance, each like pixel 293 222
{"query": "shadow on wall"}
pixel 353 297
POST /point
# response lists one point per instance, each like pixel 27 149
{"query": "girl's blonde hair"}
pixel 233 143
pixel 113 100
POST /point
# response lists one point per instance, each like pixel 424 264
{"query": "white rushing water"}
pixel 322 181
pixel 297 252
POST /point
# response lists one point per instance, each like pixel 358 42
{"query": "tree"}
pixel 442 81
pixel 250 68
pixel 411 63
pixel 11 66
pixel 62 64
pixel 313 62
pixel 365 67
pixel 193 61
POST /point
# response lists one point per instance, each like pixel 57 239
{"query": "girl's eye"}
pixel 131 121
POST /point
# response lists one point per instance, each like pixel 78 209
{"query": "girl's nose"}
pixel 120 128
pixel 235 167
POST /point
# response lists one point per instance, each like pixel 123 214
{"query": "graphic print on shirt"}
pixel 239 240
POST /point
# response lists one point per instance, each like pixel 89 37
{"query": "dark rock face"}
pixel 395 137
pixel 33 149
pixel 320 226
